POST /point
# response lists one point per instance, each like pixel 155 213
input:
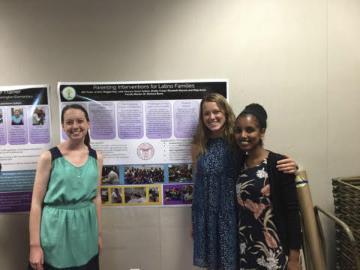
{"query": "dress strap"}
pixel 92 153
pixel 55 153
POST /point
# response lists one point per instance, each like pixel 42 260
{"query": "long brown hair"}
pixel 202 133
pixel 81 108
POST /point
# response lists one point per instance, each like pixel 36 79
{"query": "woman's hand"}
pixel 36 257
pixel 100 244
pixel 287 165
pixel 293 265
pixel 294 260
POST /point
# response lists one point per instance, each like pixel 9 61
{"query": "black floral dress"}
pixel 259 243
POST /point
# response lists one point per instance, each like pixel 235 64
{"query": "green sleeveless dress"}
pixel 69 229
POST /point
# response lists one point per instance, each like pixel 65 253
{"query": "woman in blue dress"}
pixel 65 216
pixel 269 224
pixel 214 210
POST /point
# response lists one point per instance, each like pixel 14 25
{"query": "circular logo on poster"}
pixel 68 93
pixel 145 151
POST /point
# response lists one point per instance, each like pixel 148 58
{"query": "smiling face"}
pixel 213 118
pixel 75 124
pixel 248 134
pixel 17 113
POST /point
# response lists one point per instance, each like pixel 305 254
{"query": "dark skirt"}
pixel 93 264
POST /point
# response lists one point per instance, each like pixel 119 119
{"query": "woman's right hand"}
pixel 36 257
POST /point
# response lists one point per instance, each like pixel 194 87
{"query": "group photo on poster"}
pixel 144 130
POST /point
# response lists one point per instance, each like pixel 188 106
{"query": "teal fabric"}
pixel 69 229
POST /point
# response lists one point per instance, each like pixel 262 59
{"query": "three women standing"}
pixel 65 223
pixel 65 216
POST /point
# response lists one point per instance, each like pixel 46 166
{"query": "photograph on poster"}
pixel 144 174
pixel 178 194
pixel 180 173
pixel 135 195
pixel 154 195
pixel 110 175
pixel 104 195
pixel 38 116
pixel 1 117
pixel 116 195
pixel 17 116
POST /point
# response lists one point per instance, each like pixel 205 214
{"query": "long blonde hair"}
pixel 202 134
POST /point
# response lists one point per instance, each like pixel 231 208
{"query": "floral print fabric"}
pixel 259 243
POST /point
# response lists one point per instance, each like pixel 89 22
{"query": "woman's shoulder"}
pixel 61 147
pixel 45 159
pixel 272 160
pixel 45 156
pixel 195 151
pixel 99 155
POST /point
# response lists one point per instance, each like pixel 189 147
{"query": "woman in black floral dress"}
pixel 269 225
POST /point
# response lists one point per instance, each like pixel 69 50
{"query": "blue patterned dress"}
pixel 260 246
pixel 214 214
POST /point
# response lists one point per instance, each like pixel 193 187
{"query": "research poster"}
pixel 144 130
pixel 25 131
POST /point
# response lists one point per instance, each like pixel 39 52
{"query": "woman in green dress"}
pixel 65 216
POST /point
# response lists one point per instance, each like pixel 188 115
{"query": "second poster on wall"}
pixel 144 130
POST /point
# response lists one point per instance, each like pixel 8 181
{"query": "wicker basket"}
pixel 347 208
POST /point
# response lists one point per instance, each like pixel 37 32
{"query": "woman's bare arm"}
pixel 43 169
pixel 97 200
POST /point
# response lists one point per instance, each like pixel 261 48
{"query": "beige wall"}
pixel 300 59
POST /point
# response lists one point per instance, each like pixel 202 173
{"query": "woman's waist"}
pixel 69 205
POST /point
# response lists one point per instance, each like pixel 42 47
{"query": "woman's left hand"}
pixel 287 165
pixel 294 260
pixel 100 244
pixel 293 265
